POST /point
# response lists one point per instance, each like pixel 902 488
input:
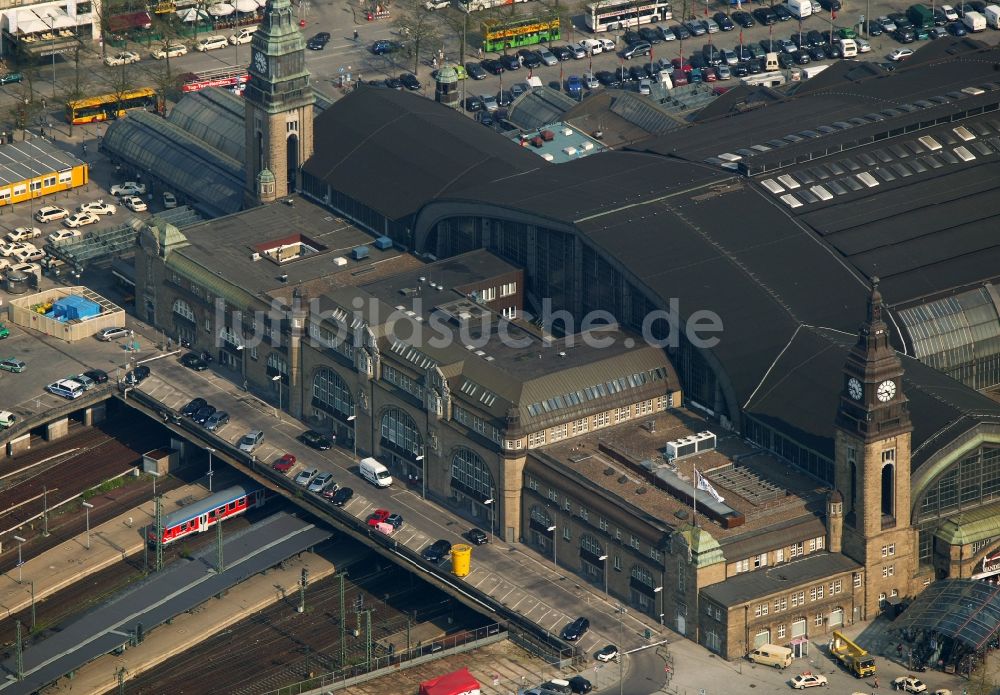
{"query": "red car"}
pixel 284 464
pixel 378 517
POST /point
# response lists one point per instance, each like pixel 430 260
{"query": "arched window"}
pixel 642 575
pixel 184 310
pixel 590 544
pixel 400 432
pixel 331 393
pixel 470 474
pixel 276 365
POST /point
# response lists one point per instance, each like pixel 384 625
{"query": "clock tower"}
pixel 279 105
pixel 872 467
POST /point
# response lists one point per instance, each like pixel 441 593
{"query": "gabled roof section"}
pixel 394 151
pixel 539 107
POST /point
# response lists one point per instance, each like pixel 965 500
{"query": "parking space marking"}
pixel 504 597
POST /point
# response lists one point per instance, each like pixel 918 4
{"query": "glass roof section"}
pixel 216 116
pixel 954 331
pixel 966 610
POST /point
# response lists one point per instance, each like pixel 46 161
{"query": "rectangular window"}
pixel 602 523
pixel 812 594
pixel 681 576
pixel 819 592
pixel 536 438
pixel 757 610
pixel 618 534
pixel 889 456
pixel 798 598
pixel 559 432
pixel 617 564
pixel 532 484
pixel 20 189
pixel 812 545
pixel 602 420
pixel 580 426
pixel 781 632
pixel 797 550
pixel 742 565
pixel 760 560
pixel 567 533
pixel 780 603
pixel 818 620
pixel 49 181
pixel 623 413
pixel 634 542
pixel 779 555
pixel 584 514
pixel 5 194
pixel 857 580
pixel 553 495
pixel 819 543
pixel 892 549
pixel 36 185
pixel 567 505
pixel 763 608
pixel 885 571
pixel 66 176
pixel 508 288
pixel 837 586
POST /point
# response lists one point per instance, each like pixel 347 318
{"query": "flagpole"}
pixel 694 496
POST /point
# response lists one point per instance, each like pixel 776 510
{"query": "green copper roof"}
pixel 969 527
pixel 705 550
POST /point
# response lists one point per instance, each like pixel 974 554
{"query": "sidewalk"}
pixel 189 629
pixel 70 562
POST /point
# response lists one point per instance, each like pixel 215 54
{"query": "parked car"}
pixel 134 203
pixel 695 27
pixel 217 420
pixel 10 78
pixel 169 200
pixel 13 364
pixel 900 54
pixel 510 62
pixel 314 439
pixel 680 32
pixel 477 536
pixel 576 629
pixel 305 477
pixel 64 234
pixel 318 41
pixel 175 50
pixel 98 376
pixel 436 551
pixel 193 407
pixel 378 516
pixel 562 53
pixel 195 362
pixel 81 219
pixel 51 213
pixel 128 188
pixel 22 233
pixel 476 71
pixel 489 102
pixel 137 375
pixel 639 49
pixel 98 207
pixel 109 334
pixel 910 684
pixel 244 35
pixel 201 417
pixel 530 59
pixel 580 685
pixel 608 653
pixel 410 81
pixel 547 56
pixel 744 19
pixel 723 20
pixel 784 14
pixel 251 440
pixel 284 464
pixel 121 58
pixel 342 497
pixel 320 482
pixel 210 43
pixel 765 15
pixel 473 104
pixel 383 47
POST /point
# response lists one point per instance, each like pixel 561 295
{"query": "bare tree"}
pixel 419 29
pixel 983 680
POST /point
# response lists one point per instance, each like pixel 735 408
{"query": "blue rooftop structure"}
pixel 74 308
pixel 559 143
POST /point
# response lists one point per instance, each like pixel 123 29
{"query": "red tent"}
pixel 458 682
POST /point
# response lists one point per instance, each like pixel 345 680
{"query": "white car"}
pixel 242 36
pixel 808 680
pixel 589 81
pixel 98 207
pixel 306 476
pixel 26 267
pixel 210 43
pixel 28 255
pixel 173 51
pixel 80 219
pixel 863 46
pixel 50 213
pixel 578 51
pixel 320 482
pixel 949 13
pixel 64 235
pixel 910 684
pixel 134 203
pixel 7 250
pixel 122 58
pixel 22 233
pixel 608 653
pixel 608 45
pixel 888 26
pixel 900 54
pixel 169 200
pixel 592 46
pixel 128 188
pixel 645 87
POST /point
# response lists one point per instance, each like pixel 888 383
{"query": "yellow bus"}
pixel 109 106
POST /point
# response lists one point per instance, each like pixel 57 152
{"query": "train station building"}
pixel 832 453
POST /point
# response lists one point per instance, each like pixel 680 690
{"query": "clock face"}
pixel 260 62
pixel 886 390
pixel 854 388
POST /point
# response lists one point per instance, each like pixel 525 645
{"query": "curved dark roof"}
pixel 395 151
pixel 216 116
pixel 965 610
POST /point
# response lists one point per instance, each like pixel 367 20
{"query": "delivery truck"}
pixel 974 21
pixel 799 8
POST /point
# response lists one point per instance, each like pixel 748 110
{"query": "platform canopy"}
pixel 966 610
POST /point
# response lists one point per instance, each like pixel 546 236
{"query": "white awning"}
pixel 246 5
pixel 191 14
pixel 221 10
pixel 29 23
pixel 56 18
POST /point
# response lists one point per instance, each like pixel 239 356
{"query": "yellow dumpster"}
pixel 461 556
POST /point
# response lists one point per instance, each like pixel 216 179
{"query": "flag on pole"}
pixel 703 484
pixel 833 15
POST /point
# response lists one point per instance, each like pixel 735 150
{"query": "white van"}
pixel 771 655
pixel 992 14
pixel 375 473
pixel 848 48
pixel 67 388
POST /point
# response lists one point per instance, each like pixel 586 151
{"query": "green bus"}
pixel 501 34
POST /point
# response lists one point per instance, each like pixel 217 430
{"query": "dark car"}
pixel 606 78
pixel 576 629
pixel 193 361
pixel 395 520
pixel 817 53
pixel 832 51
pixel 830 5
pixel 874 29
pixel 631 37
pixel 723 20
pixel 474 104
pixel 393 83
pixel 477 536
pixel 315 440
pixel 203 414
pixel 711 54
pixel 98 376
pixel 319 41
pixel 476 71
pixel 939 17
pixel 10 77
pixel 635 50
pixel 957 29
pixel 651 35
pixel 384 47
pixel 137 375
pixel 905 35
pixel 900 20
pixel 695 76
pixel 814 38
pixel 217 420
pixel 509 62
pixel 530 59
pixel 801 57
pixel 741 69
pixel 784 14
pixel 770 46
pixel 519 88
pixel 744 19
pixel 193 407
pixel 755 66
pixel 766 16
pixel 342 497
pixel 563 53
pixel 410 81
pixel 636 73
pixel 580 685
pixel 436 551
pixel 786 61
pixel 493 67
pixel 681 32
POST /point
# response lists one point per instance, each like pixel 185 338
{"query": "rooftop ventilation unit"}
pixel 359 252
pixel 340 261
pixel 383 243
pixel 690 445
